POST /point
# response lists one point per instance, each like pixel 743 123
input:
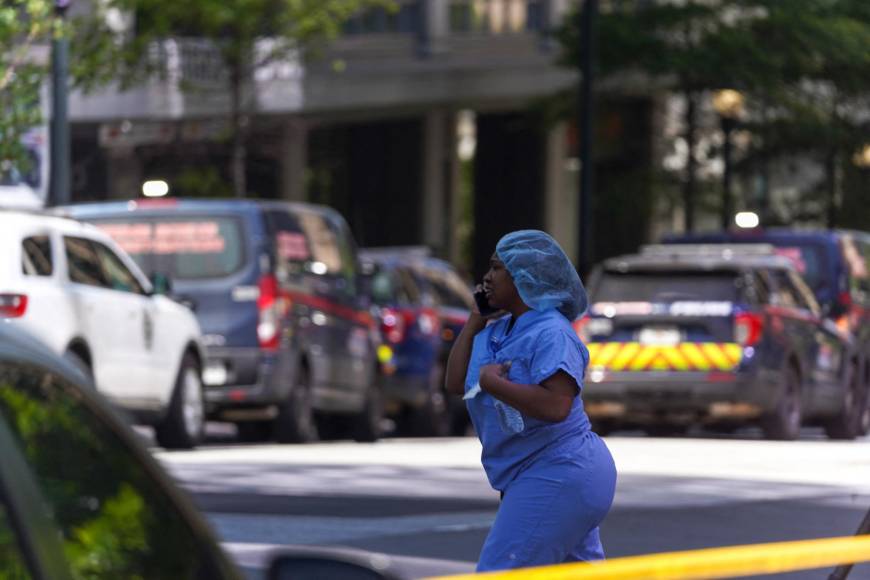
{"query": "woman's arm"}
pixel 460 354
pixel 550 401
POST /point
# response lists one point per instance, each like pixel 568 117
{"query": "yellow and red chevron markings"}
pixel 686 356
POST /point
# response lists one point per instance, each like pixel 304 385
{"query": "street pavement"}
pixel 428 498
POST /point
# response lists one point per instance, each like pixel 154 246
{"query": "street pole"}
pixel 59 162
pixel 585 132
pixel 727 128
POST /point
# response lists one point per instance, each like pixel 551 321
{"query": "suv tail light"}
pixel 748 328
pixel 428 322
pixel 580 328
pixel 271 307
pixel 393 325
pixel 13 305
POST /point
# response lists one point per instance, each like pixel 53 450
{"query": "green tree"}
pixel 25 25
pixel 802 66
pixel 247 34
pixel 819 52
pixel 689 48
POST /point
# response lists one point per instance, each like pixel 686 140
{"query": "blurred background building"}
pixel 395 125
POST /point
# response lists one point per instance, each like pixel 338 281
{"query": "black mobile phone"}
pixel 483 304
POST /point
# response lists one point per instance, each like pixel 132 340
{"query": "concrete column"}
pixel 434 177
pixel 435 27
pixel 560 191
pixel 294 159
pixel 453 229
pixel 124 173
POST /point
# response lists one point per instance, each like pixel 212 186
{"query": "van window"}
pixel 184 247
pixel 808 260
pixel 856 255
pixel 291 246
pixel 36 257
pixel 323 242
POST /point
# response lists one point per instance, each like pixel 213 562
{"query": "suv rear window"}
pixel 664 287
pixel 184 247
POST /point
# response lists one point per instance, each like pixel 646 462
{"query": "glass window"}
pixel 12 560
pixel 805 296
pixel 118 275
pixel 291 246
pixel 382 288
pixel 665 287
pixel 809 261
pixel 116 520
pixel 83 262
pixel 36 259
pixel 323 242
pixel 783 293
pixel 448 286
pixel 758 288
pixel 184 248
pixel 495 16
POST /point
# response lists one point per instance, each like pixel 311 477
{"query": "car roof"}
pixel 192 205
pixel 780 235
pixel 702 257
pixel 30 218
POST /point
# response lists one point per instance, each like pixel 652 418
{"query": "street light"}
pixel 729 105
pixel 862 158
pixel 59 162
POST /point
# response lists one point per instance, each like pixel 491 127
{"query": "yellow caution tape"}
pixel 686 356
pixel 730 562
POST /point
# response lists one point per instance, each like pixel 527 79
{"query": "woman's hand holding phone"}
pixel 482 303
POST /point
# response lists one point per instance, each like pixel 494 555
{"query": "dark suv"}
pixel 422 304
pixel 835 265
pixel 274 285
pixel 715 335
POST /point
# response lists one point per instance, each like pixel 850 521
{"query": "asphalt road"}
pixel 430 499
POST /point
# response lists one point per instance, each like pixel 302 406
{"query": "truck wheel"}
pixel 847 424
pixel 295 421
pixel 784 421
pixel 184 423
pixel 365 426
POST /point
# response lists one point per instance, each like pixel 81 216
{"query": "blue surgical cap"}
pixel 542 273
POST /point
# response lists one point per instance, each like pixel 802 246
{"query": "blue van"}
pixel 291 345
pixel 836 265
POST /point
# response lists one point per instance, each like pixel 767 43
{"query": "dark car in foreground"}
pixel 81 497
pixel 836 266
pixel 718 336
pixel 421 303
pixel 291 347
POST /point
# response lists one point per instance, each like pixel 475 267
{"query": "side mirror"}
pixel 161 283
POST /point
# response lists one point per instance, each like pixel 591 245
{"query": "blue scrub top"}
pixel 539 344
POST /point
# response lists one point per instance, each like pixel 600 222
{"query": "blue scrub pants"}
pixel 550 513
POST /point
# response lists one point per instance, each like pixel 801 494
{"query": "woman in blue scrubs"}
pixel 521 372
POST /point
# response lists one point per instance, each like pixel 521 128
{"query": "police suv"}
pixel 715 335
pixel 69 285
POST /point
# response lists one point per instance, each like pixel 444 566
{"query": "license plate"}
pixel 214 374
pixel 663 336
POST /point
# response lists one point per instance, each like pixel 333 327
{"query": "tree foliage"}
pixel 247 35
pixel 804 68
pixel 25 26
